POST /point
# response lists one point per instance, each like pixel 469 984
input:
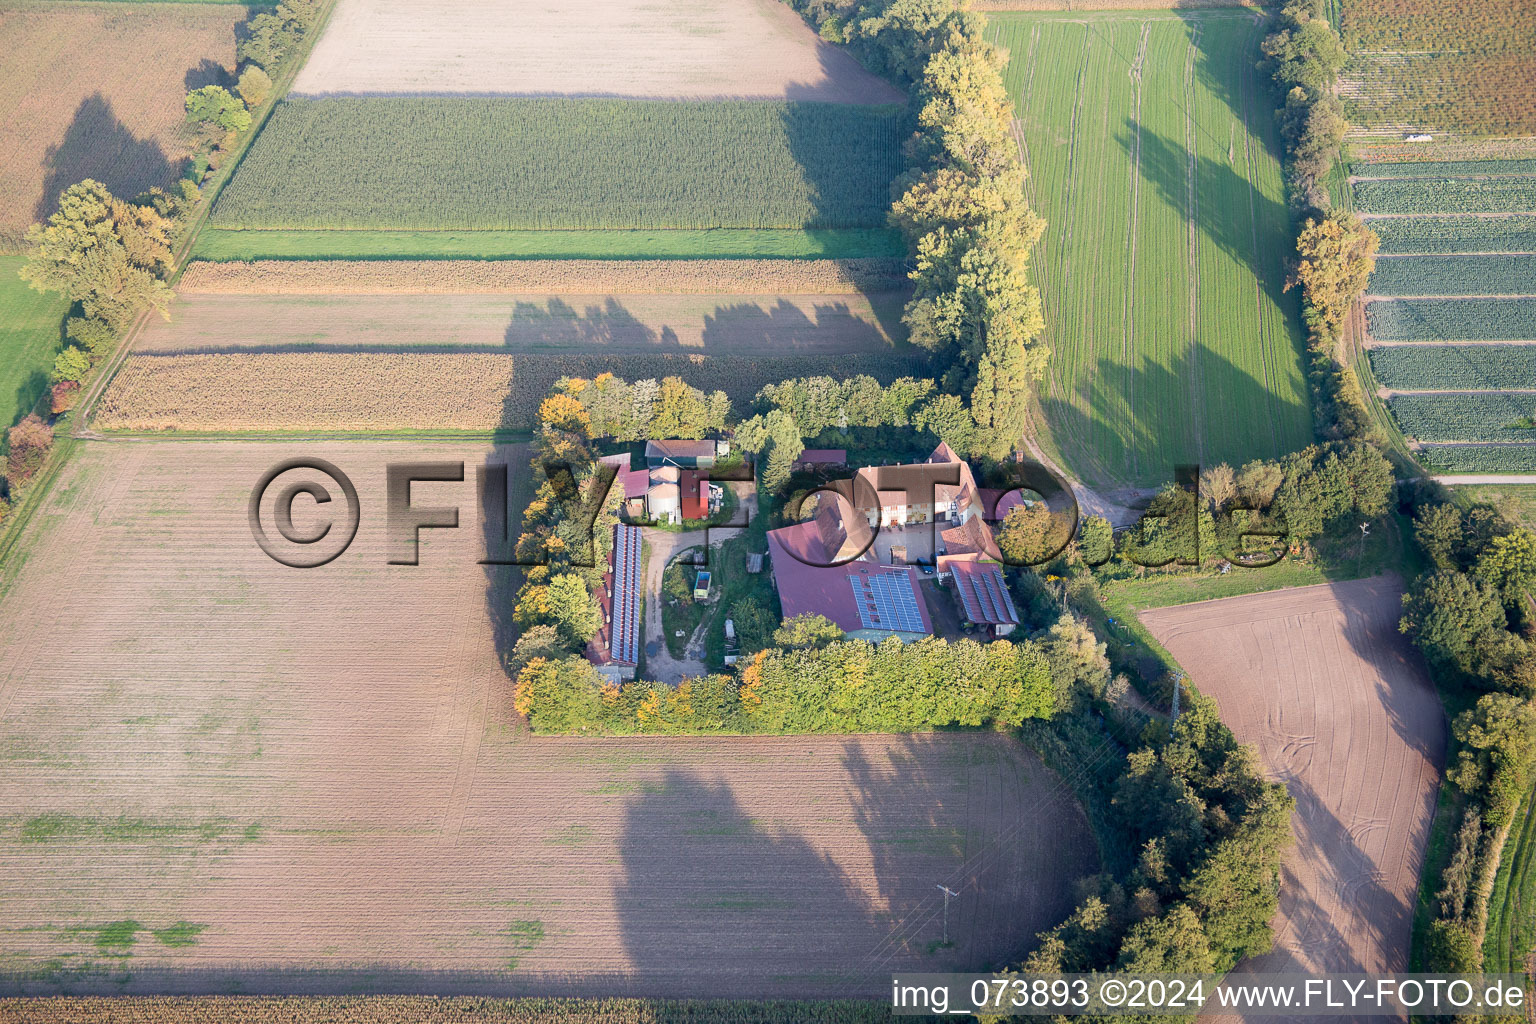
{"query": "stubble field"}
pixel 95 91
pixel 239 774
pixel 1338 706
pixel 1152 153
pixel 716 49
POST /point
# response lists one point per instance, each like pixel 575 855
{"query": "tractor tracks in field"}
pixel 1196 375
pixel 1251 124
pixel 1129 303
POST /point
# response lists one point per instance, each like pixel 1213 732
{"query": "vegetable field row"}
pixel 1455 367
pixel 1515 233
pixel 507 163
pixel 1481 458
pixel 1454 275
pixel 1486 25
pixel 1442 168
pixel 1463 417
pixel 1447 195
pixel 1452 319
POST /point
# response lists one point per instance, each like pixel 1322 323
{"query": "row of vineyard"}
pixel 1452 319
pixel 1455 367
pixel 1461 234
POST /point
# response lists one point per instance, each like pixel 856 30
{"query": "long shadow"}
pixel 785 326
pixel 500 526
pixel 98 145
pixel 709 892
pixel 1157 415
pixel 1016 839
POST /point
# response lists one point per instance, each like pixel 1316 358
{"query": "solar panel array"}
pixel 984 594
pixel 886 600
pixel 625 631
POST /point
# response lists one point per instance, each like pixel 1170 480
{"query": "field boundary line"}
pixel 1127 343
pixel 1192 255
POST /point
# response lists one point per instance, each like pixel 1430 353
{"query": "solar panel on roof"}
pixel 887 601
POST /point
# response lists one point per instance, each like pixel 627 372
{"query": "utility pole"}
pixel 1365 531
pixel 948 892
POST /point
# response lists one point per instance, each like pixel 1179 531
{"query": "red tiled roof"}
pixel 695 488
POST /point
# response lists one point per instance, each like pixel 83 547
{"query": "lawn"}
pixel 1152 153
pixel 224 245
pixel 1516 501
pixel 1511 933
pixel 514 163
pixel 29 336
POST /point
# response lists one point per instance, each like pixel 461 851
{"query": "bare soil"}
pixel 593 323
pixel 1338 705
pixel 676 49
pixel 223 774
pixel 97 91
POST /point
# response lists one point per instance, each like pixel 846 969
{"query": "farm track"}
pixel 321 769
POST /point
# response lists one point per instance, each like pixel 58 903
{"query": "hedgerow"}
pixel 1455 367
pixel 507 163
pixel 1452 319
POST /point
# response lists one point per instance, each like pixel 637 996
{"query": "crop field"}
pixel 1516 501
pixel 739 325
pixel 727 243
pixel 463 392
pixel 1515 233
pixel 96 91
pixel 1515 194
pixel 1339 708
pixel 241 776
pixel 1479 458
pixel 1493 274
pixel 1441 168
pixel 1452 319
pixel 547 277
pixel 29 335
pixel 1466 66
pixel 528 163
pixel 1458 416
pixel 1150 143
pixel 1454 367
pixel 673 49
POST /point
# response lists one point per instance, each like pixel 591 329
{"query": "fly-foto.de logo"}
pixel 305 512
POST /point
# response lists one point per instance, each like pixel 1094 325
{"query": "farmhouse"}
pixel 616 648
pixel 865 599
pixel 665 492
pixel 938 490
pixel 820 458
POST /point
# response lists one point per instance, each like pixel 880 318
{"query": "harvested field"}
pixel 476 392
pixel 715 49
pixel 96 91
pixel 571 324
pixel 547 277
pixel 1338 705
pixel 236 773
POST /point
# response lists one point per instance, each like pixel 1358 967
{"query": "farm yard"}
pixel 520 163
pixel 1339 708
pixel 95 91
pixel 314 780
pixel 675 50
pixel 1467 67
pixel 1457 275
pixel 1150 143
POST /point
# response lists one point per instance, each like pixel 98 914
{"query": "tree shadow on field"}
pixel 208 72
pixel 1146 417
pixel 1013 853
pixel 28 393
pixel 785 327
pixel 98 145
pixel 500 526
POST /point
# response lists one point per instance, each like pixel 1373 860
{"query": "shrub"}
pixel 63 395
pixel 30 441
pixel 254 86
pixel 70 365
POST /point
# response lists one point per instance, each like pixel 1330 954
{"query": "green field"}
pixel 1511 933
pixel 1480 458
pixel 1452 319
pixel 1447 195
pixel 1515 233
pixel 508 163
pixel 1516 501
pixel 1152 151
pixel 29 337
pixel 223 245
pixel 1492 274
pixel 1455 367
pixel 1457 416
